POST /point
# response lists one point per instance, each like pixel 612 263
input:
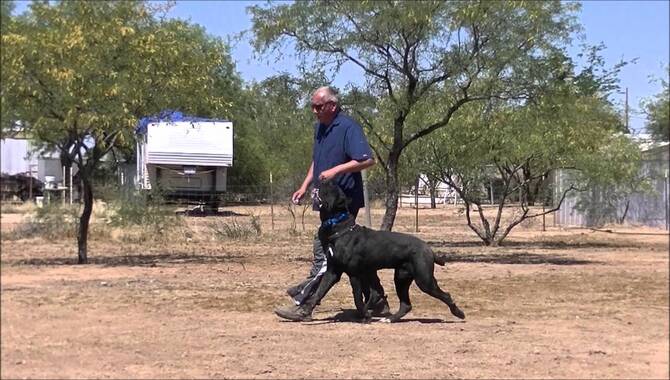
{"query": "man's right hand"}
pixel 297 196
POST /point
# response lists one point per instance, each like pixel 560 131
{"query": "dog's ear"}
pixel 341 200
pixel 331 197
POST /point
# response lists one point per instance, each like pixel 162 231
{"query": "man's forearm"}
pixel 354 166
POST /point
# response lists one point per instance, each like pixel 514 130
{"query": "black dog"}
pixel 360 252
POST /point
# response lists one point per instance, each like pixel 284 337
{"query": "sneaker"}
pixel 293 291
pixel 294 313
pixel 381 309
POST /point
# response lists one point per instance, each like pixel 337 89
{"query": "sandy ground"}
pixel 557 304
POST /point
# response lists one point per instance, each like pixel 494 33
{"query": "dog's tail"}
pixel 440 259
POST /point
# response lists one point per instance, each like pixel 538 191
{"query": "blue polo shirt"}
pixel 341 141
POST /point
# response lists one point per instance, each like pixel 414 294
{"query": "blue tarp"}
pixel 168 115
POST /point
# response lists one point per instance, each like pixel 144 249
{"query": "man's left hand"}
pixel 327 174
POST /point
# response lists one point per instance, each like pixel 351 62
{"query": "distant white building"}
pixel 19 157
pixel 443 194
pixel 20 160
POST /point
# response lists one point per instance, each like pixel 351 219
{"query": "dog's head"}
pixel 332 199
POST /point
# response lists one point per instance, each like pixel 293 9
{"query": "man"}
pixel 340 150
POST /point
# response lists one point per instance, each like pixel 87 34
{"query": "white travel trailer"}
pixel 186 157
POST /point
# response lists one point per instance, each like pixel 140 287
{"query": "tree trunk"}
pixel 84 219
pixel 483 234
pixel 433 195
pixel 625 212
pixel 391 194
pixel 532 186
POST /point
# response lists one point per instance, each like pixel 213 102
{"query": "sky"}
pixel 628 29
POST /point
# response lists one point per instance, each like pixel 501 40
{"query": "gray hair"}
pixel 329 94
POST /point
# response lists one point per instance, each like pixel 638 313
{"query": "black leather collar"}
pixel 340 233
pixel 333 232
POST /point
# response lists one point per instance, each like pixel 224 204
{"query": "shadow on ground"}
pixel 495 258
pixel 534 244
pixel 515 258
pixel 351 316
pixel 133 260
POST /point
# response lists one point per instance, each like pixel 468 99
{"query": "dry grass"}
pixel 565 303
pixel 17 207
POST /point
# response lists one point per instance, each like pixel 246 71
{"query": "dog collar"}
pixel 334 220
pixel 338 234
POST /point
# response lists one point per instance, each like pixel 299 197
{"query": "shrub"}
pixel 49 222
pixel 235 230
pixel 144 217
pixel 17 208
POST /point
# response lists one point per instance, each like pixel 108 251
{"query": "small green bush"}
pixel 236 230
pixel 49 222
pixel 144 217
pixel 144 208
pixel 141 217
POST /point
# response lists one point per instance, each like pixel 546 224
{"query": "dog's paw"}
pixel 457 312
pixel 385 320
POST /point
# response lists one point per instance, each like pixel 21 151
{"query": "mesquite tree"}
pixel 521 147
pixel 414 53
pixel 79 74
pixel 657 110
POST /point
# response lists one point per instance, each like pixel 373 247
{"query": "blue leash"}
pixel 334 220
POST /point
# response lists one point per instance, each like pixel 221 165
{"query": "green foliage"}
pixel 79 75
pixel 274 133
pixel 658 112
pixel 146 208
pixel 91 69
pixel 519 146
pixel 7 116
pixel 6 9
pixel 53 222
pixel 422 61
pixel 144 217
pixel 610 179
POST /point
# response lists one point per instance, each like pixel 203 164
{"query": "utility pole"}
pixel 626 121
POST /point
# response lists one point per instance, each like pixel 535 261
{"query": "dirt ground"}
pixel 565 303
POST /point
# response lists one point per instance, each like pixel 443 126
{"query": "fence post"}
pixel 71 184
pixel 416 205
pixel 366 198
pixel 272 211
pixel 63 185
pixel 30 182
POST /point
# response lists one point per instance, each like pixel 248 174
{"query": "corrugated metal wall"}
pixel 649 209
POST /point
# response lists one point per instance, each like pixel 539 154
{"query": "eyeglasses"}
pixel 318 107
